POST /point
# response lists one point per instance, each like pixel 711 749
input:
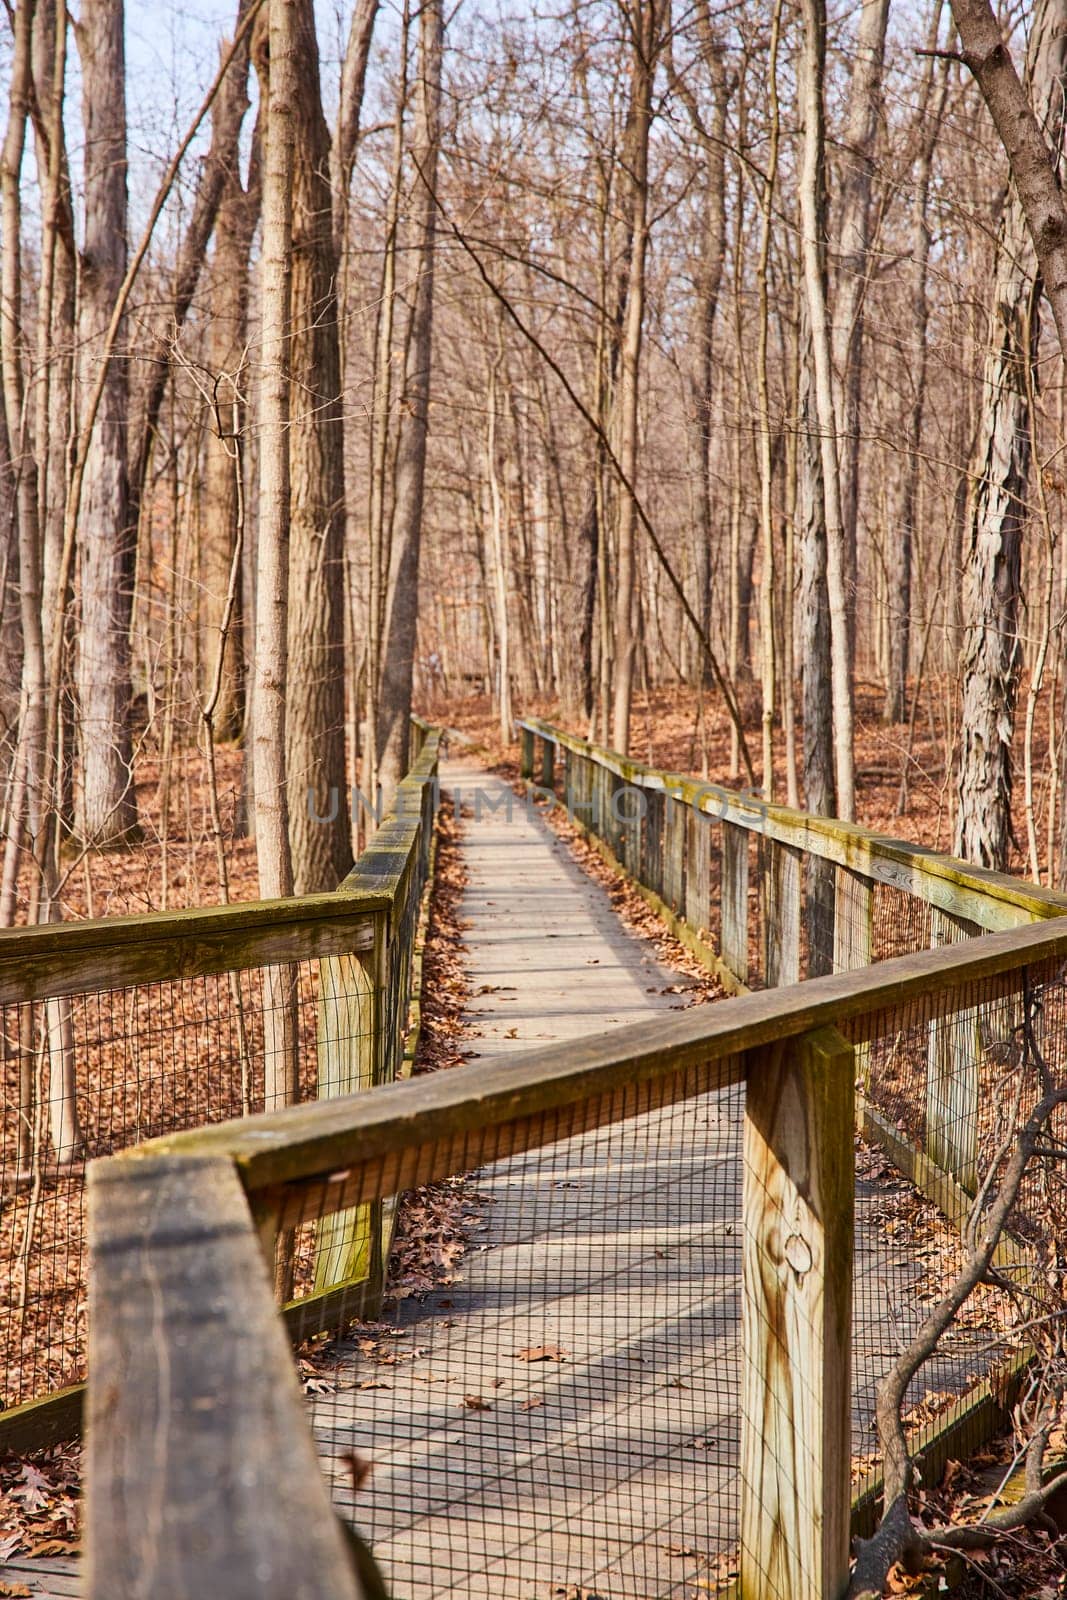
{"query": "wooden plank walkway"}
pixel 608 1466
pixel 561 1422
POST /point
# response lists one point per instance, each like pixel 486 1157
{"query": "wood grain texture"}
pixel 734 940
pixel 202 1478
pixel 698 871
pixel 348 1050
pixel 675 821
pixel 56 959
pixel 954 1052
pixel 796 1320
pixel 780 868
pixel 854 940
pixel 308 1140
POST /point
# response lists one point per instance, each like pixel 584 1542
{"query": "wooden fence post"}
pixel 526 759
pixel 548 764
pixel 652 852
pixel 780 913
pixel 796 1394
pixel 698 870
pixel 202 1476
pixel 734 895
pixel 954 1050
pixel 351 1046
pixel 674 830
pixel 854 940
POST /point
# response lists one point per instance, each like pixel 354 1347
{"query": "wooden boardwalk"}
pixel 606 1464
pixel 561 1421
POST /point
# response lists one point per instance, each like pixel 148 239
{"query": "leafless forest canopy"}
pixel 626 360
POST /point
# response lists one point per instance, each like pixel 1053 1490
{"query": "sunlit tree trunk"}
pixel 106 811
pixel 398 657
pixel 315 712
pixel 853 265
pixel 227 360
pixel 642 27
pixel 812 188
pixel 992 571
pixel 901 542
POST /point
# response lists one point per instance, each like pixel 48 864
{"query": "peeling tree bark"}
pixel 1000 473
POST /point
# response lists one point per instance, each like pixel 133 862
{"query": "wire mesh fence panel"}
pixel 117 1068
pixel 550 1399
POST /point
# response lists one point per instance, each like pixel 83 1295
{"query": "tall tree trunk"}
pixel 275 48
pixel 315 712
pixel 643 29
pixel 853 256
pixel 714 144
pixel 106 810
pixel 55 352
pixel 1000 473
pixel 227 338
pixel 394 716
pixel 812 185
pixel 901 541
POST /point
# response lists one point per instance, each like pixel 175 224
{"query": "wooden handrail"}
pixel 53 959
pixel 317 1140
pixel 994 900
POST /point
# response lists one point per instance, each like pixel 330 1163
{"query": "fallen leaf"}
pixel 16 1591
pixel 532 1403
pixel 474 1402
pixel 56 1547
pixel 541 1352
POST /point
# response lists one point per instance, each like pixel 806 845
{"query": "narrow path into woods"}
pixel 559 1420
pixel 533 1443
pixel 548 958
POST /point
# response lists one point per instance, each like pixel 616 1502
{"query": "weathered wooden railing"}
pixel 166 1018
pixel 830 896
pixel 202 1477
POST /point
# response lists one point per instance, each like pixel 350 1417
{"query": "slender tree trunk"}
pixel 227 358
pixel 106 805
pixel 901 541
pixel 714 144
pixel 1000 474
pixel 853 264
pixel 315 711
pixel 274 50
pixel 768 653
pixel 394 719
pixel 276 47
pixel 812 185
pixel 643 27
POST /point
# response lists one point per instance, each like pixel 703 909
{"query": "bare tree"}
pixel 1000 475
pixel 812 187
pixel 106 803
pixel 853 266
pixel 315 711
pixel 394 712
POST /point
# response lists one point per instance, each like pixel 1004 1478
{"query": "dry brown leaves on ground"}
pixel 40 1503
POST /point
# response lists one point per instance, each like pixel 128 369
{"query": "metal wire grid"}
pixel 145 1060
pixel 562 1409
pixel 549 1403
